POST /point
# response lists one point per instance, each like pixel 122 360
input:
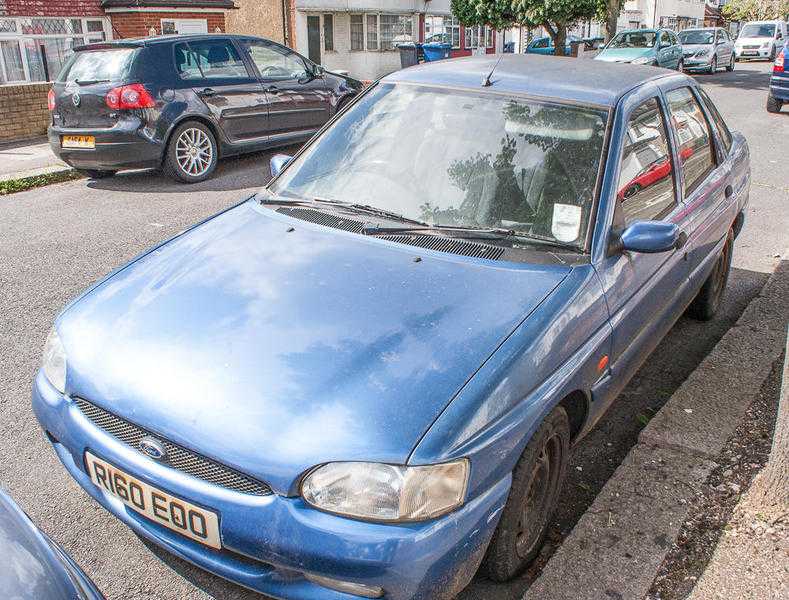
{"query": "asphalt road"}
pixel 56 241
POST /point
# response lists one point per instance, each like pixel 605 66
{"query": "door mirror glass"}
pixel 318 71
pixel 650 237
pixel 278 162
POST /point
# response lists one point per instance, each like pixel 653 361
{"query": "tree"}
pixel 755 10
pixel 608 14
pixel 554 15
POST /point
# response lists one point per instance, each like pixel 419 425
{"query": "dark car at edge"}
pixel 182 102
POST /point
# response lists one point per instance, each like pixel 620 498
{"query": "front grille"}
pixel 178 457
pixel 746 47
pixel 431 242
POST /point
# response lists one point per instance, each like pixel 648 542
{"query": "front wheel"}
pixel 191 154
pixel 707 302
pixel 536 483
pixel 681 65
pixel 730 66
pixel 713 65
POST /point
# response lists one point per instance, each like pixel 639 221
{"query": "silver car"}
pixel 707 49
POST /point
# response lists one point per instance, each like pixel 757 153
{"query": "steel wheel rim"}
pixel 194 151
pixel 542 484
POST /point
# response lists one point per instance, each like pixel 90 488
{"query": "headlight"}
pixel 642 60
pixel 54 361
pixel 702 52
pixel 380 492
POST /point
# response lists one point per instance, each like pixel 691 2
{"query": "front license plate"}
pixel 750 53
pixel 187 519
pixel 78 141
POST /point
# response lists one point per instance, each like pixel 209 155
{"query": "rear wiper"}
pixel 90 81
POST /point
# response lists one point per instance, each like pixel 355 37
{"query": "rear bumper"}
pixel 124 146
pixel 270 542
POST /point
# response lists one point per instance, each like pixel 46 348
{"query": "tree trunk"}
pixel 770 490
pixel 558 33
pixel 612 11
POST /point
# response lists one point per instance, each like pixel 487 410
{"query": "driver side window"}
pixel 273 63
pixel 646 185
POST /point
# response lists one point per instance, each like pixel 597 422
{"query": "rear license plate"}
pixel 187 519
pixel 78 141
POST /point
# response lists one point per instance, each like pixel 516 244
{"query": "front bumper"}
pixel 269 542
pixel 696 62
pixel 127 145
pixel 761 53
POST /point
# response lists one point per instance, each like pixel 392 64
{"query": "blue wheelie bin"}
pixel 436 51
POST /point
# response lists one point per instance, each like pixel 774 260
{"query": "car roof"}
pixel 164 39
pixel 574 80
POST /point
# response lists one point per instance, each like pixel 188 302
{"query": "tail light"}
pixel 128 97
pixel 51 100
pixel 778 67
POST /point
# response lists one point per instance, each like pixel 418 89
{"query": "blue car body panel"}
pixel 667 56
pixel 33 567
pixel 272 351
pixel 779 80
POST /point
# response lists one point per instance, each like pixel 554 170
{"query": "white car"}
pixel 760 39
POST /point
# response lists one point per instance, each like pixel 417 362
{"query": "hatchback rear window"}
pixel 92 66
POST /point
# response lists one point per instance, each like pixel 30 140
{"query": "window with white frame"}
pixel 442 28
pixel 380 31
pixel 36 48
pixel 478 37
pixel 171 26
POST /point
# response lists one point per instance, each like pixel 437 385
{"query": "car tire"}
pixel 681 66
pixel 536 482
pixel 771 58
pixel 730 66
pixel 773 104
pixel 192 153
pixel 714 65
pixel 96 173
pixel 706 304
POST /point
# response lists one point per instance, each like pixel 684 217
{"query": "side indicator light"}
pixel 602 364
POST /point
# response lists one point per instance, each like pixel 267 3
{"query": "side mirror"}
pixel 278 162
pixel 652 237
pixel 318 71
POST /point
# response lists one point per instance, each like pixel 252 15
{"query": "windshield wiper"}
pixel 373 210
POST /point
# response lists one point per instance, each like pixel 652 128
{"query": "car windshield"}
pixel 97 65
pixel 757 30
pixel 702 36
pixel 633 39
pixel 463 159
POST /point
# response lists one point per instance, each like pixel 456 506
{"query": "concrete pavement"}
pixel 28 158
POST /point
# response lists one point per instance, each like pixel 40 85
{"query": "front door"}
pixel 298 101
pixel 644 290
pixel 213 68
pixel 314 39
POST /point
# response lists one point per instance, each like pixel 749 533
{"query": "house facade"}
pixel 37 37
pixel 671 14
pixel 361 36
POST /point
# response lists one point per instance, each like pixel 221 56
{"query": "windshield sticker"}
pixel 566 222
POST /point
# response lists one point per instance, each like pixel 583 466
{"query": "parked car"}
pixel 182 102
pixel 656 47
pixel 366 379
pixel 33 566
pixel 760 39
pixel 707 49
pixel 544 45
pixel 778 92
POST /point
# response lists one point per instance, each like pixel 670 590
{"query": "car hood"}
pixel 273 350
pixel 623 54
pixel 752 41
pixel 689 49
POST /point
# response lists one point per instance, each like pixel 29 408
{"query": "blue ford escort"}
pixel 366 379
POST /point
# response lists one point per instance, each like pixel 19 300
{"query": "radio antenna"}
pixel 486 82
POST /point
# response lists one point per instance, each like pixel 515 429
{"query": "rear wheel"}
pixel 771 58
pixel 96 173
pixel 773 104
pixel 706 304
pixel 681 65
pixel 536 483
pixel 191 154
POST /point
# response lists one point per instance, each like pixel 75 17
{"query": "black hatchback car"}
pixel 181 102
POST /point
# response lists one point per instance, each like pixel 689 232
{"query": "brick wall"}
pixel 138 24
pixel 24 110
pixel 54 8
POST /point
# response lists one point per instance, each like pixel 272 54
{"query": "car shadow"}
pixel 232 173
pixel 596 457
pixel 750 76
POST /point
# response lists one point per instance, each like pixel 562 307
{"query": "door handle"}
pixel 272 89
pixel 729 191
pixel 682 239
pixel 207 92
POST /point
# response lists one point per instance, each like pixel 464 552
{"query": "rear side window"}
pixel 209 59
pixel 98 65
pixel 720 124
pixel 695 138
pixel 646 184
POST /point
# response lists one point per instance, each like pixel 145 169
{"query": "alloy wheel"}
pixel 194 152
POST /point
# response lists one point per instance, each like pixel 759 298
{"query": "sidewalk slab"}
pixel 617 547
pixel 34 157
